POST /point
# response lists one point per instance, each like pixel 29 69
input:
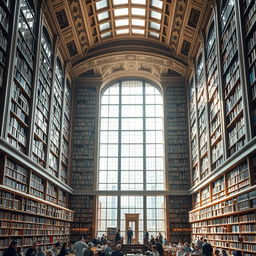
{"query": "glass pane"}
pixel 121 11
pixel 102 16
pixel 156 15
pixel 138 22
pixel 101 4
pixel 139 11
pixel 123 22
pixel 122 31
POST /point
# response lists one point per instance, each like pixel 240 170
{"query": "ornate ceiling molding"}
pixel 146 63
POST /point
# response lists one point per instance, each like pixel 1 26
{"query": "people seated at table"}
pixel 79 247
pixel 117 251
pixel 88 251
pixel 154 251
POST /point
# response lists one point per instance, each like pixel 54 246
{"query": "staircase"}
pixel 134 248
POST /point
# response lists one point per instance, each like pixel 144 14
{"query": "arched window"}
pixel 131 156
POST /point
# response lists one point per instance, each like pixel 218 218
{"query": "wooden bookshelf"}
pixel 248 8
pixel 27 219
pixel 6 19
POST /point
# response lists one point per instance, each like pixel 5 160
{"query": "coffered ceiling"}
pixel 91 28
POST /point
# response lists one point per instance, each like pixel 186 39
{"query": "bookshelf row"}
pixel 39 117
pixel 233 181
pixel 27 181
pixel 177 150
pixel 5 31
pixel 218 95
pixel 229 223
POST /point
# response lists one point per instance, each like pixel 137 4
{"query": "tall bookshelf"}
pixel 21 95
pixel 42 110
pixel 177 176
pixel 6 19
pixel 213 90
pixel 223 207
pixel 29 207
pixel 33 197
pixel 248 17
pixel 232 85
pixel 195 176
pixel 83 163
pixel 225 213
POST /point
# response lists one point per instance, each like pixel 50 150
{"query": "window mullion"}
pixel 144 139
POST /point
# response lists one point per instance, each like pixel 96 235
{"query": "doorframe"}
pixel 132 217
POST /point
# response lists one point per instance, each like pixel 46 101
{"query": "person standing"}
pixel 117 237
pixel 12 249
pixel 160 238
pixel 129 235
pixel 146 236
pixel 207 249
pixel 79 247
pixel 159 247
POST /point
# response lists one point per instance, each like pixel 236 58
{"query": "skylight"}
pixel 121 11
pixel 157 3
pixel 103 15
pixel 123 22
pixel 154 25
pixel 139 11
pixel 138 31
pixel 129 17
pixel 122 31
pixel 154 34
pixel 101 4
pixel 138 2
pixel 156 15
pixel 138 22
pixel 118 2
pixel 107 34
pixel 104 26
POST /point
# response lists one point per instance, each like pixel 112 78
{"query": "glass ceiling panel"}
pixel 154 25
pixel 139 11
pixel 156 15
pixel 133 17
pixel 121 11
pixel 118 2
pixel 108 34
pixel 138 31
pixel 123 22
pixel 101 4
pixel 122 31
pixel 137 22
pixel 154 34
pixel 157 3
pixel 103 15
pixel 138 2
pixel 104 26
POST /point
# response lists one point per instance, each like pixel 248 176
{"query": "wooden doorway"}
pixel 132 220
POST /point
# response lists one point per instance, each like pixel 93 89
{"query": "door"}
pixel 132 221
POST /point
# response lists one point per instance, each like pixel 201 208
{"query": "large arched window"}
pixel 131 156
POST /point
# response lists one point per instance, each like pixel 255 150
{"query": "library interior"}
pixel 127 127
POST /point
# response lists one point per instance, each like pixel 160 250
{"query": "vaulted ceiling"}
pixel 91 28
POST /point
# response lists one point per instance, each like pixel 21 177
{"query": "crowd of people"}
pixel 158 246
